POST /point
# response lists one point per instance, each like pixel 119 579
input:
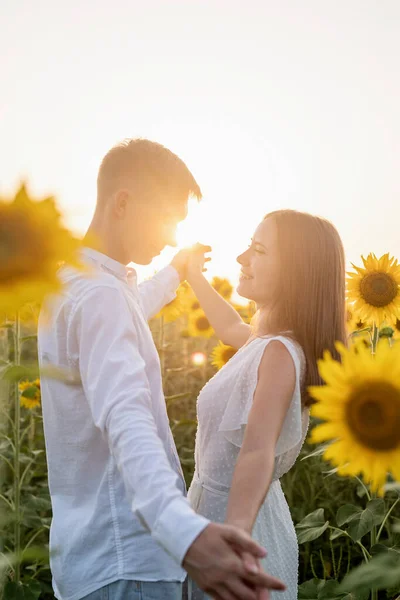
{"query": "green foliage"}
pixel 335 516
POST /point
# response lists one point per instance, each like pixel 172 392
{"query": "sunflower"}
pixel 361 406
pixel 375 289
pixel 247 311
pixel 174 309
pixel 353 321
pixel 199 325
pixel 358 330
pixel 395 324
pixel 32 245
pixel 30 393
pixel 222 286
pixel 221 354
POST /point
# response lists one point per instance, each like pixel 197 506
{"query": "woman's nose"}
pixel 241 259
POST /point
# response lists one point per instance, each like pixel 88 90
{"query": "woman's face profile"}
pixel 259 272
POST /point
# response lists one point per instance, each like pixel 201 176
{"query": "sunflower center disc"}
pixel 378 289
pixel 22 252
pixel 203 324
pixel 228 354
pixel 373 415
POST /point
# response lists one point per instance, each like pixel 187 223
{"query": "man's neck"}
pixel 99 238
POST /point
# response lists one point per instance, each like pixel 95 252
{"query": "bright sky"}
pixel 271 103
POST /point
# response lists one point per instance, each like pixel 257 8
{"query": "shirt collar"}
pixel 108 264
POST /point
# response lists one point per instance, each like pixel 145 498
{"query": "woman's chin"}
pixel 241 290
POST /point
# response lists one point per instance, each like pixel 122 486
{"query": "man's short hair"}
pixel 152 168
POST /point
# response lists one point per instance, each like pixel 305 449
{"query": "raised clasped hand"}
pixel 190 262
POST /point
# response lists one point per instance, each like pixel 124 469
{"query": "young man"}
pixel 122 527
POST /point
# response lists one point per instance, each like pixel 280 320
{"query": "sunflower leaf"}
pixel 309 589
pixel 381 572
pixel 17 372
pixel 320 589
pixel 355 595
pixel 336 533
pixel 378 549
pixel 312 526
pixel 361 525
pixel 347 513
pixel 377 508
pixel 331 590
pixel 30 392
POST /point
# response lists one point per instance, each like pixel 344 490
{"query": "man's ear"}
pixel 120 203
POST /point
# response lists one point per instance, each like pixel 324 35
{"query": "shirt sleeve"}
pixel 158 291
pixel 116 387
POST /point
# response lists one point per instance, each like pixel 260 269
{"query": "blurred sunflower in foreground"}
pixel 361 406
pixel 375 289
pixel 221 354
pixel 199 325
pixel 30 393
pixel 33 243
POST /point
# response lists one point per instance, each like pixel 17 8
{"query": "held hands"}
pixel 190 262
pixel 223 561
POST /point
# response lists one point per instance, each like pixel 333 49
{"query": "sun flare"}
pixel 193 228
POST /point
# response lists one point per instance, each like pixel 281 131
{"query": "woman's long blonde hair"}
pixel 310 296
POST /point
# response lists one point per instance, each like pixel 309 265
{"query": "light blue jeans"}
pixel 138 590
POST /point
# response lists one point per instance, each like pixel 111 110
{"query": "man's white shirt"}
pixel 116 485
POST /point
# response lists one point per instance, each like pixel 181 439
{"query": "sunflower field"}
pixel 343 491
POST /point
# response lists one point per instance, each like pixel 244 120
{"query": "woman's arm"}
pixel 255 464
pixel 226 322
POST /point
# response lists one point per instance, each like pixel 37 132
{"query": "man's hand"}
pixel 214 562
pixel 189 259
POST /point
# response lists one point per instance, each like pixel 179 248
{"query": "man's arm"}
pixel 115 384
pixel 158 291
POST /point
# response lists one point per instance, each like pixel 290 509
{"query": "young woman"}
pixel 253 414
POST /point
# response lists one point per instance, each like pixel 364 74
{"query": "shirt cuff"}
pixel 178 527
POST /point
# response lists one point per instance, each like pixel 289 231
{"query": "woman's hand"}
pixel 190 260
pixel 196 260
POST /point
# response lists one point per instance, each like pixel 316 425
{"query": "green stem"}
pixel 375 338
pixel 312 567
pixel 385 519
pixel 325 574
pixel 333 559
pixel 374 592
pixel 365 488
pixel 17 433
pixel 339 561
pixel 348 557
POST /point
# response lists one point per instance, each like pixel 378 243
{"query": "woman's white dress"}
pixel 222 409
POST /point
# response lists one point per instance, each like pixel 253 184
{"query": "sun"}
pixel 191 230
